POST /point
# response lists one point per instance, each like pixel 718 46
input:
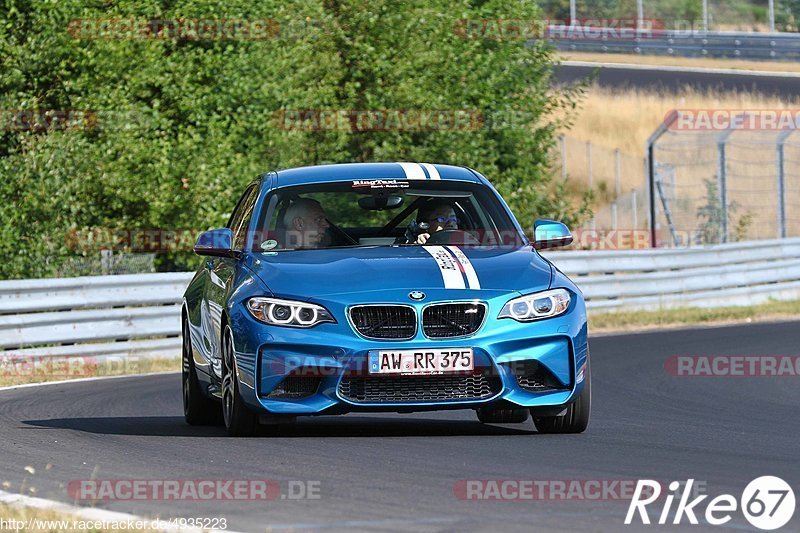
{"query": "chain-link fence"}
pixel 716 184
pixel 615 178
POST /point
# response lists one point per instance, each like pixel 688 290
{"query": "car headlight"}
pixel 288 313
pixel 537 306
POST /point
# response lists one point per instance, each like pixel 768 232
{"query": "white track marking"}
pixel 469 270
pixel 413 171
pixel 432 172
pixel 451 274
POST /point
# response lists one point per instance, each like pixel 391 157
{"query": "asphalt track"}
pixel 397 472
pixel 677 80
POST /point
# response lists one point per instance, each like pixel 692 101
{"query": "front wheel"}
pixel 239 420
pixel 198 410
pixel 576 419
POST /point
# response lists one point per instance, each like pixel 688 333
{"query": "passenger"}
pixel 306 224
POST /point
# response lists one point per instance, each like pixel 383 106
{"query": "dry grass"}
pixel 20 372
pixel 737 64
pixel 613 119
pixel 40 521
pixel 670 318
pixel 625 119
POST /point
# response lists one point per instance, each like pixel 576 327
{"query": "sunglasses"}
pixel 444 220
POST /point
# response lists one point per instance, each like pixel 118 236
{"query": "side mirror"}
pixel 550 234
pixel 216 243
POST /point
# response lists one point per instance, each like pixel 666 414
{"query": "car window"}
pixel 240 220
pixel 371 213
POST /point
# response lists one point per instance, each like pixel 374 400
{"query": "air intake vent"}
pixel 449 320
pixel 398 322
pixel 295 387
pixel 414 389
pixel 533 377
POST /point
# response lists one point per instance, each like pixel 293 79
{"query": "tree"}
pixel 174 128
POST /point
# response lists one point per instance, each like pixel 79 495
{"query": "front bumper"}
pixel 323 370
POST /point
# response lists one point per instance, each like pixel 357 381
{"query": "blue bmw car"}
pixel 381 287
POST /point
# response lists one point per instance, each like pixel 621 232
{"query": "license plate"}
pixel 421 361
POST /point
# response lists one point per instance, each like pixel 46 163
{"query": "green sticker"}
pixel 269 245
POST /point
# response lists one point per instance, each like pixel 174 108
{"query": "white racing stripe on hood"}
pixel 469 270
pixel 451 274
pixel 432 172
pixel 413 171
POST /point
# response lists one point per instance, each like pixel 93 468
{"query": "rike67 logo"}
pixel 767 502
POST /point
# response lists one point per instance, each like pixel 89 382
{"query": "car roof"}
pixel 368 171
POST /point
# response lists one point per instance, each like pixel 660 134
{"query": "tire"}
pixel 239 420
pixel 502 416
pixel 576 419
pixel 198 409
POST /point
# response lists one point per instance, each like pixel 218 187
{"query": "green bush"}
pixel 179 126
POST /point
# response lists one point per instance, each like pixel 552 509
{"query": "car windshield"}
pixel 383 213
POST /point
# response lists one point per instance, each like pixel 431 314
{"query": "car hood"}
pixel 306 274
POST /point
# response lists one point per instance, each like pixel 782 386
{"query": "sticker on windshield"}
pixel 380 184
pixel 269 245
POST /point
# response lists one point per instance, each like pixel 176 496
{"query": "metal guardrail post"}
pixel 650 169
pixel 771 9
pixel 639 14
pixel 722 182
pixel 589 163
pixel 665 207
pixel 651 190
pixel 723 190
pixel 781 164
pixel 614 220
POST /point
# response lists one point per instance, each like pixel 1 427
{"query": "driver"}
pixel 306 224
pixel 439 215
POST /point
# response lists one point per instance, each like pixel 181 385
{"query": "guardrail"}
pixel 684 43
pixel 97 317
pixel 139 314
pixel 745 273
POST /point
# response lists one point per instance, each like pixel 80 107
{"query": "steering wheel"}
pixel 453 236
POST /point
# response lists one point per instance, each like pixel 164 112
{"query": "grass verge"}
pixel 693 316
pixel 19 371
